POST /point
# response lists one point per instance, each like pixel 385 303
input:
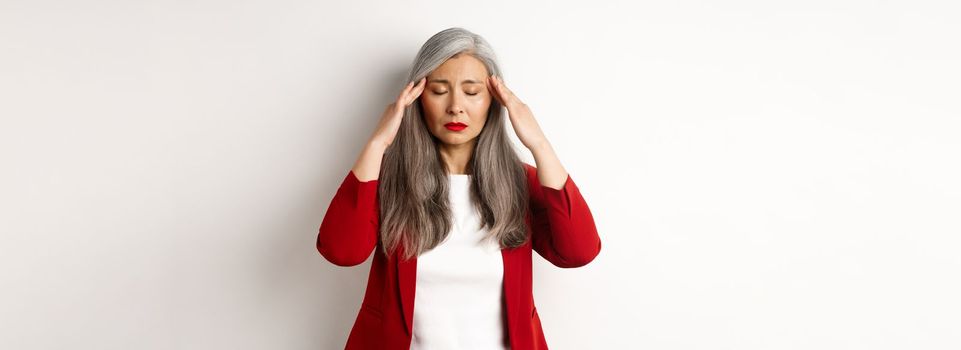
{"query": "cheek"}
pixel 433 110
pixel 480 106
pixel 480 111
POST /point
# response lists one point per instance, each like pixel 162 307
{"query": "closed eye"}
pixel 444 92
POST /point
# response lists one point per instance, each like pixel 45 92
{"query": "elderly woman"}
pixel 441 191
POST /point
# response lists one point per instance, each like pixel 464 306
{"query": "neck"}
pixel 457 157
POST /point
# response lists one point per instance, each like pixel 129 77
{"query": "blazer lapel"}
pixel 511 292
pixel 407 282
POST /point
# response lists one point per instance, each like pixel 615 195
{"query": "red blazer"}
pixel 562 231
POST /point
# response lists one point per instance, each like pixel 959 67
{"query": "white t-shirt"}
pixel 459 297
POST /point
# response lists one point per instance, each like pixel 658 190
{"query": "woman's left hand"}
pixel 526 128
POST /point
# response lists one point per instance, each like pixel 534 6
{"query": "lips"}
pixel 455 126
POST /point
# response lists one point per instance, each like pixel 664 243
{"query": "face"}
pixel 456 92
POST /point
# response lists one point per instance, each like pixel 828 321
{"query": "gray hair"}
pixel 413 184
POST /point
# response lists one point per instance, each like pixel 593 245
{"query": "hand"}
pixel 526 128
pixel 390 121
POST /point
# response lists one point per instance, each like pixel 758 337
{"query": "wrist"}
pixel 540 146
pixel 377 145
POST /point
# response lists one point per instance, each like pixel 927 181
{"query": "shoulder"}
pixel 533 183
pixel 531 172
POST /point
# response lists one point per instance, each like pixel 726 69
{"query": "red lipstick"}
pixel 455 126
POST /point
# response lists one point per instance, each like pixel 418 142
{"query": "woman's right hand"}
pixel 390 121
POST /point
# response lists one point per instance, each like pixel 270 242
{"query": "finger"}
pixel 418 89
pixel 403 92
pixel 406 91
pixel 415 91
pixel 489 82
pixel 506 92
pixel 420 86
pixel 504 89
pixel 495 90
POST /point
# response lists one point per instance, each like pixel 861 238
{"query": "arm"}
pixel 348 233
pixel 563 230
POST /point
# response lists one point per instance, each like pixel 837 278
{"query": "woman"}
pixel 456 214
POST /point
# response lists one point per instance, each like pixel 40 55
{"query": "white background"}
pixel 763 175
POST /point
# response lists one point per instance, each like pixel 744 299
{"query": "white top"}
pixel 459 297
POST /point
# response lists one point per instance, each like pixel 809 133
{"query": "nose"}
pixel 455 107
pixel 455 110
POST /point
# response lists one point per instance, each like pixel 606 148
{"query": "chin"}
pixel 455 140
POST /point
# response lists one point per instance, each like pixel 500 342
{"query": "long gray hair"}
pixel 413 186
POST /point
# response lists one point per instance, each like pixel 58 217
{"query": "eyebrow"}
pixel 445 81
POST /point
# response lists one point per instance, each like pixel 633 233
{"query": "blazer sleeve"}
pixel 563 230
pixel 348 232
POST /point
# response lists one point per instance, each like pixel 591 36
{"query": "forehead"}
pixel 459 69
